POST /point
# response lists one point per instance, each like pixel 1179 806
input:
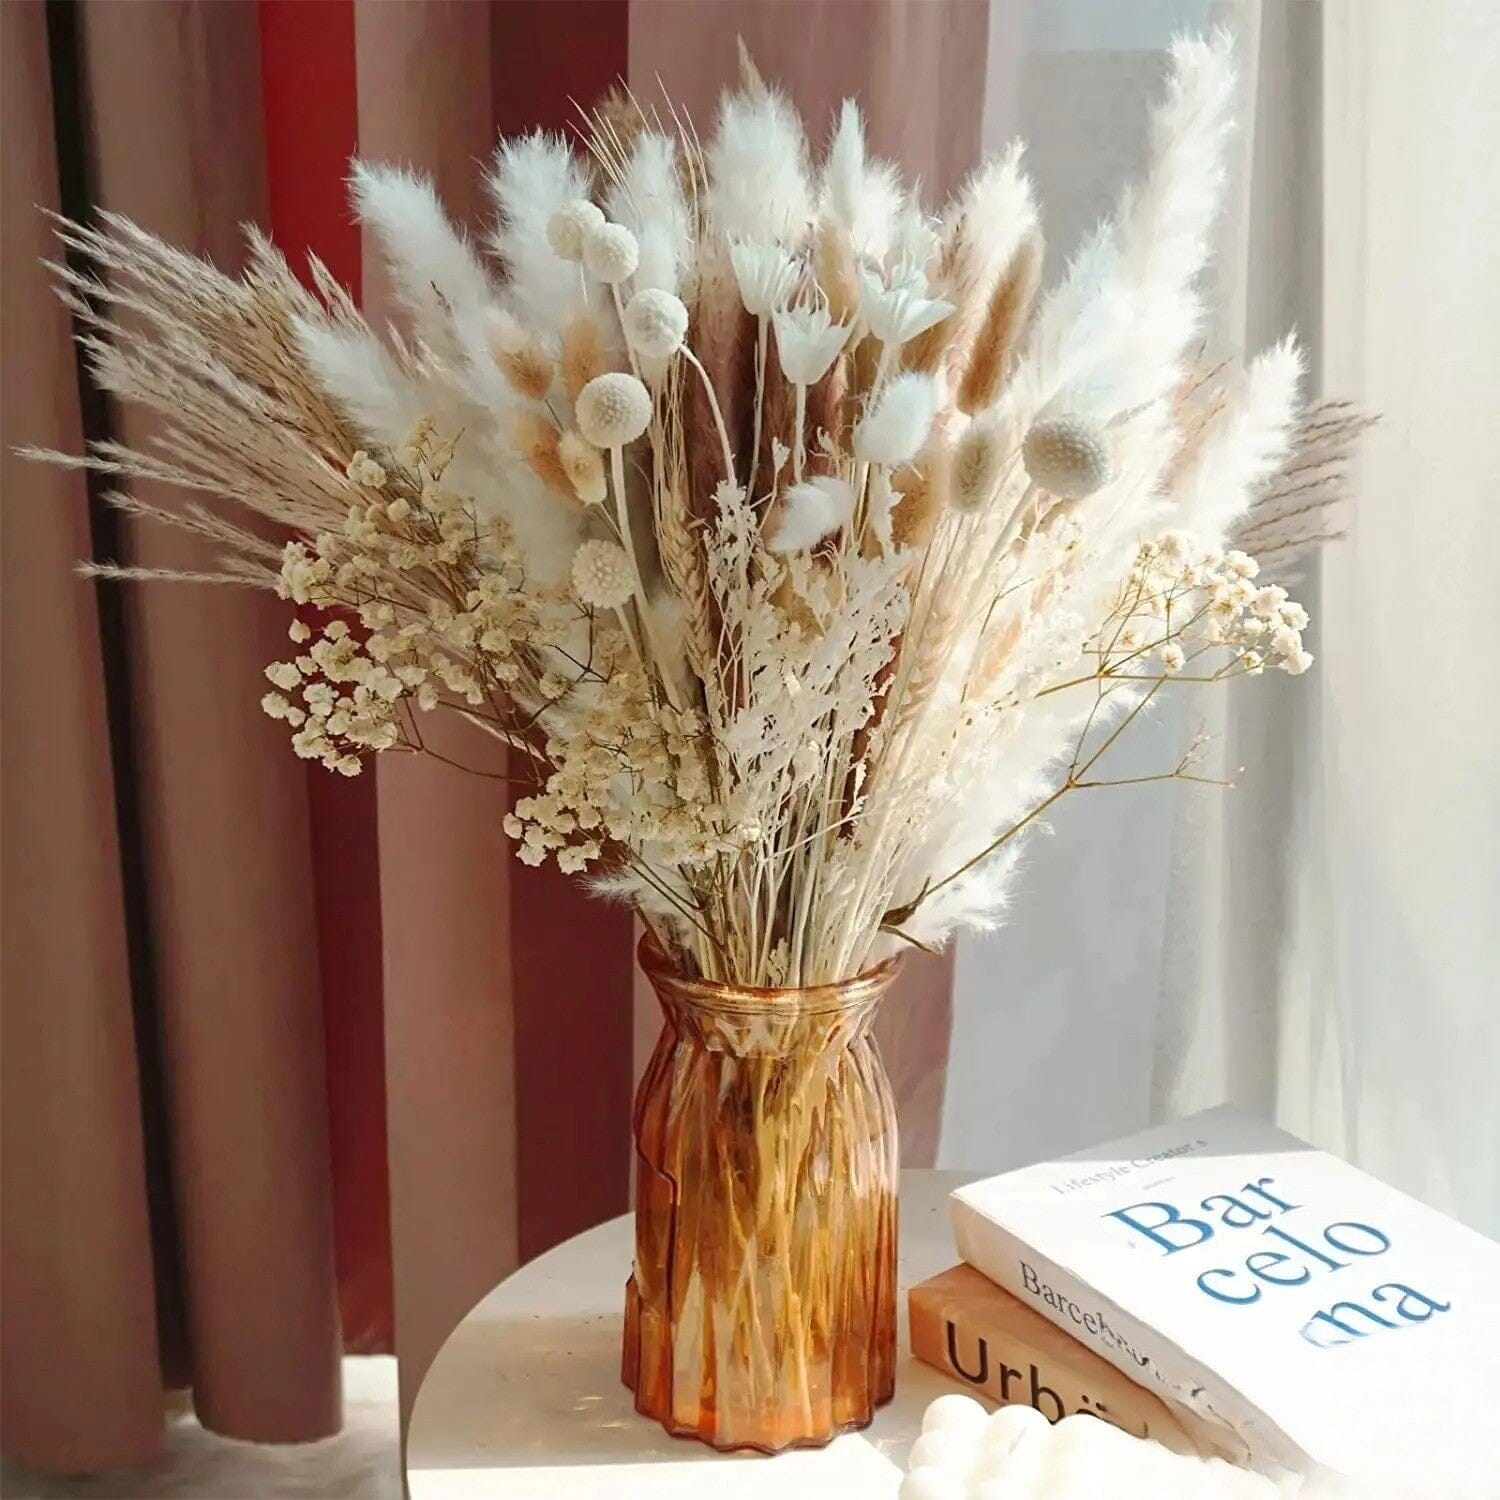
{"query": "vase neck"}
pixel 753 1020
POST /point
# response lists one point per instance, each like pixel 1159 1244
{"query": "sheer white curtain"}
pixel 1320 944
pixel 1404 953
pixel 1055 1014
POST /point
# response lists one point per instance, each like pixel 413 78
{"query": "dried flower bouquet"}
pixel 799 552
pixel 802 553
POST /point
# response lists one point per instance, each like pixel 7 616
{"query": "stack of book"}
pixel 1223 1288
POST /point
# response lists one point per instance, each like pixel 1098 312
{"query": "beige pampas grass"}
pixel 1004 321
pixel 978 461
pixel 583 353
pixel 539 442
pixel 527 370
pixel 836 269
pixel 919 489
pixel 584 465
pixel 981 234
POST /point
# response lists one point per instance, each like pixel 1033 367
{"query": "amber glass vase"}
pixel 761 1312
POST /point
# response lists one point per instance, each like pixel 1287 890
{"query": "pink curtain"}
pixel 75 1254
pixel 183 1109
pixel 216 1018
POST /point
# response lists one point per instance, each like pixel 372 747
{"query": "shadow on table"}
pixel 563 1405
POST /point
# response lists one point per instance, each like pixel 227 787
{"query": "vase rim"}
pixel 838 994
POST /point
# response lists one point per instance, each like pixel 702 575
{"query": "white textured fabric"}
pixel 1401 944
pixel 1320 944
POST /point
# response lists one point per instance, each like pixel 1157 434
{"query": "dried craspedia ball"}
pixel 1067 456
pixel 602 575
pixel 655 323
pixel 610 252
pixel 613 410
pixel 569 228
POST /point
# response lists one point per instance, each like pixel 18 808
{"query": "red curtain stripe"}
pixel 311 131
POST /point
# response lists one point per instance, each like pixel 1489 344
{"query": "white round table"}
pixel 525 1398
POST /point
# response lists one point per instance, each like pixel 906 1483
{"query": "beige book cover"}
pixel 966 1326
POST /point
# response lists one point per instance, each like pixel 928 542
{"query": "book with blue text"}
pixel 1322 1320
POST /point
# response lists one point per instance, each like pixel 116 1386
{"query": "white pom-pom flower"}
pixel 613 409
pixel 571 225
pixel 611 253
pixel 1067 457
pixel 813 510
pixel 602 575
pixel 899 425
pixel 655 323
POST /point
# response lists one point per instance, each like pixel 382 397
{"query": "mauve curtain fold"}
pixel 175 130
pixel 424 98
pixel 79 1331
pixel 217 1046
pixel 507 991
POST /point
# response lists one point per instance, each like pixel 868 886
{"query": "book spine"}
pixel 1131 1346
pixel 1009 1369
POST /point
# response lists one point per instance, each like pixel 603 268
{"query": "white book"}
pixel 1321 1321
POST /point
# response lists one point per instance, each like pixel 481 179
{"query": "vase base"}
pixel 693 1435
pixel 632 1373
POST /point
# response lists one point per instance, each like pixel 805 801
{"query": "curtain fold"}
pixel 1400 941
pixel 311 127
pixel 75 1252
pixel 174 117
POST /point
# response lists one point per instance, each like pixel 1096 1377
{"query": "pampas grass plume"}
pixel 1004 321
pixel 537 442
pixel 584 465
pixel 582 356
pixel 899 425
pixel 978 460
pixel 918 489
pixel 527 370
pixel 836 268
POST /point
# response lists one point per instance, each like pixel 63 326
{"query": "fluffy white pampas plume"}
pixel 531 179
pixel 436 276
pixel 813 510
pixel 864 196
pixel 1114 332
pixel 647 198
pixel 356 368
pixel 899 425
pixel 1245 444
pixel 758 174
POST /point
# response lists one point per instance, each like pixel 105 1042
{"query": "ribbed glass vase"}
pixel 762 1308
